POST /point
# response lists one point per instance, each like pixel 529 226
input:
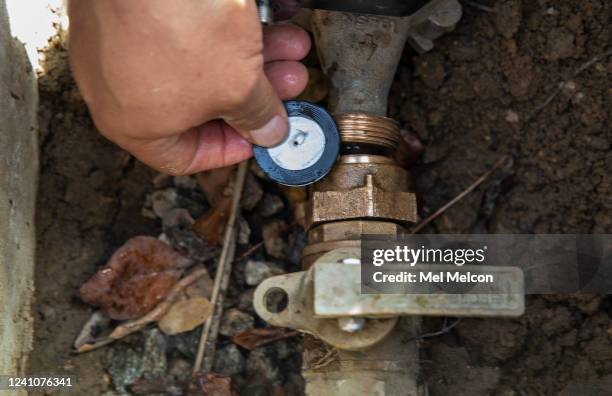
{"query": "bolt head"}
pixel 351 324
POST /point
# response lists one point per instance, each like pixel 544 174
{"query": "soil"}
pixel 528 79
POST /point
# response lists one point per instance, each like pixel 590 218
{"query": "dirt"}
pixel 528 79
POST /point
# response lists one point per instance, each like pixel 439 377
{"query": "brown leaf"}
pixel 256 337
pixel 186 315
pixel 136 278
pixel 95 325
pixel 214 182
pixel 211 384
pixel 210 226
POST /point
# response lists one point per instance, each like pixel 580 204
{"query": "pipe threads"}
pixel 368 129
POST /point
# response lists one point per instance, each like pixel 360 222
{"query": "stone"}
pixel 560 43
pixel 186 343
pixel 161 181
pixel 245 301
pixel 274 241
pixel 508 17
pixel 256 272
pixel 244 232
pixel 154 362
pixel 163 201
pixel 262 362
pixel 235 322
pixel 229 361
pixel 177 218
pixel 126 366
pixel 270 205
pixel 512 117
pixel 252 192
pixel 186 182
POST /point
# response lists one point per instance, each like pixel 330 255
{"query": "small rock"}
pixel 229 361
pixel 148 213
pixel 180 369
pixel 430 69
pixel 235 322
pixel 297 241
pixel 252 193
pixel 512 117
pixel 125 366
pixel 244 231
pixel 245 301
pixel 270 205
pixel 185 182
pixel 274 242
pixel 194 201
pixel 256 272
pixel 262 363
pixel 508 17
pixel 177 217
pixel 161 180
pixel 154 362
pixel 163 201
pixel 186 343
pixel 186 315
pixel 560 44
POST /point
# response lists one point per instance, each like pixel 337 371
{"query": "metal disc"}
pixel 309 151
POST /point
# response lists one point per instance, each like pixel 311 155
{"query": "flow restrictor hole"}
pixel 276 300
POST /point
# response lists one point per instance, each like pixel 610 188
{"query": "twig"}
pixel 94 345
pixel 250 251
pixel 211 326
pixel 563 84
pixel 329 357
pixel 160 309
pixel 479 6
pixel 459 197
pixel 443 330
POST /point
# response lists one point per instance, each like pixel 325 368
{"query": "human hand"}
pixel 185 85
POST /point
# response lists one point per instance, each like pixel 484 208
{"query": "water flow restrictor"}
pixel 309 151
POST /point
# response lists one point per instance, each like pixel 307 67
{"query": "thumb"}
pixel 261 117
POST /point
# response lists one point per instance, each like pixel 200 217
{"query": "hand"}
pixel 185 85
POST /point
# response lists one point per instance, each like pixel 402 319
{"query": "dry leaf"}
pixel 216 385
pixel 136 278
pixel 210 226
pixel 186 315
pixel 214 182
pixel 95 325
pixel 256 337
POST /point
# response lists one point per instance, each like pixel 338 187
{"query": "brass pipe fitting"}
pixel 368 129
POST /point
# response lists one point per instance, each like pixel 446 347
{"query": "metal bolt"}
pixel 351 324
pixel 266 14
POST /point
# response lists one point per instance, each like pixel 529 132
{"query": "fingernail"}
pixel 271 134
